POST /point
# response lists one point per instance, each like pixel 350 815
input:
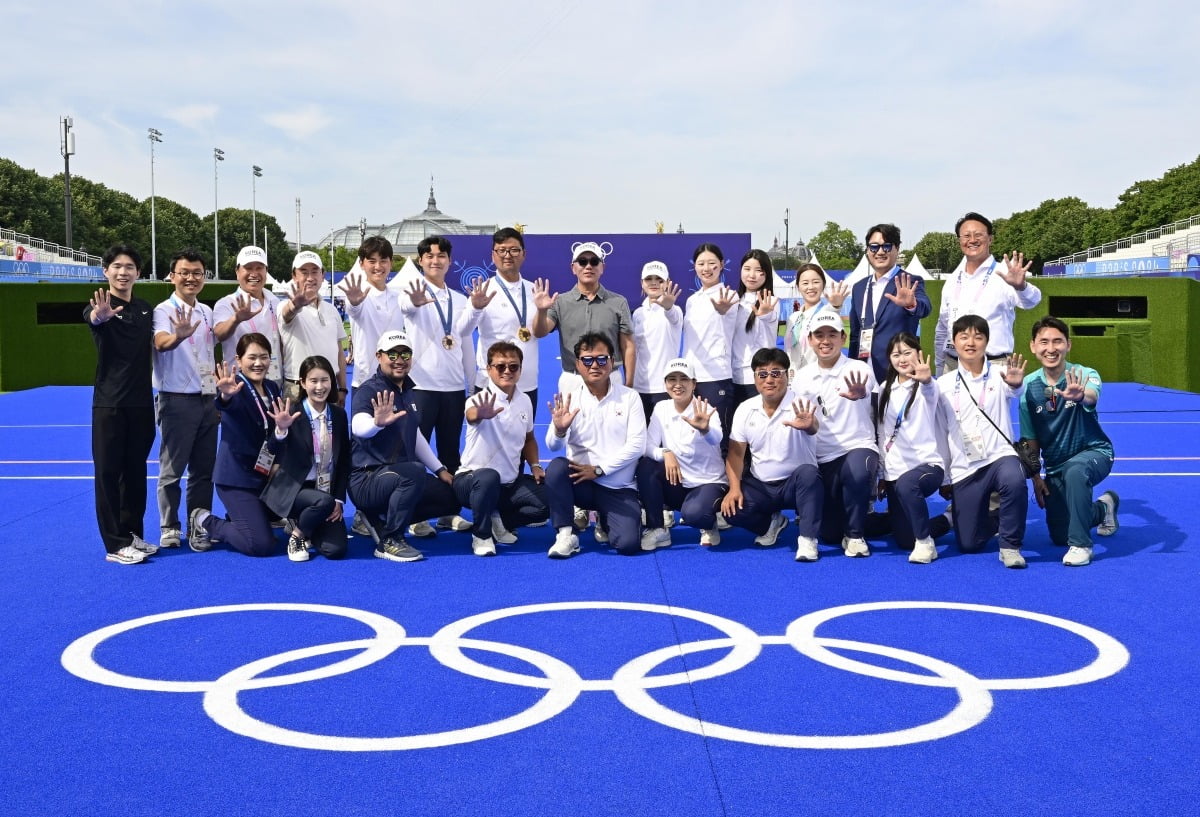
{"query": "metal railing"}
pixel 59 252
pixel 1129 241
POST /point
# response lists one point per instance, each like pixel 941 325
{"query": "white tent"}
pixel 915 267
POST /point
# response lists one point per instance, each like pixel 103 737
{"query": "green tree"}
pixel 938 251
pixel 836 247
pixel 235 230
pixel 29 204
pixel 343 257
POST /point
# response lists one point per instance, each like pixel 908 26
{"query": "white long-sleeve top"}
pixel 434 367
pixel 986 294
pixel 500 321
pixel 656 336
pixel 708 336
pixel 378 313
pixel 609 432
pixel 764 333
pixel 961 417
pixel 912 441
pixel 699 455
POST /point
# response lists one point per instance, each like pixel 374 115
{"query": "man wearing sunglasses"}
pixel 586 308
pixel 887 301
pixel 984 286
pixel 777 429
pixel 602 428
pixel 499 441
pixel 393 467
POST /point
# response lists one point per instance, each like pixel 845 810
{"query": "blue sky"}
pixel 576 117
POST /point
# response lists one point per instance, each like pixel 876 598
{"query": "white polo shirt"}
pixel 496 443
pixel 777 450
pixel 914 441
pixel 764 333
pixel 378 313
pixel 434 367
pixel 178 370
pixel 961 417
pixel 501 321
pixel 708 336
pixel 699 455
pixel 656 336
pixel 315 329
pixel 845 424
pixel 609 433
pixel 986 294
pixel 265 322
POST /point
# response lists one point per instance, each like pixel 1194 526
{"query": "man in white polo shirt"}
pixel 184 378
pixel 603 431
pixel 777 429
pixel 253 308
pixel 310 325
pixel 499 441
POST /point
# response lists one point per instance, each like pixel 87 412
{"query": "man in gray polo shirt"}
pixel 587 307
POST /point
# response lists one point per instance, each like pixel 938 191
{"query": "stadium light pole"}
pixel 154 136
pixel 787 239
pixel 256 173
pixel 66 147
pixel 218 156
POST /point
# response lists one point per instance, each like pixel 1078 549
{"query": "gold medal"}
pixel 523 334
pixel 448 342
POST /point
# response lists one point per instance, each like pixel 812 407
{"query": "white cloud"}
pixel 299 124
pixel 195 115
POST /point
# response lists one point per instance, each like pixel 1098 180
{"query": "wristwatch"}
pixel 599 470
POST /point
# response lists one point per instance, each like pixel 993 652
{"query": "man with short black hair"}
pixel 122 406
pixel 373 308
pixel 185 377
pixel 509 317
pixel 887 301
pixel 1059 418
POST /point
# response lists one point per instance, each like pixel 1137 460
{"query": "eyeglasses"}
pixel 594 360
pixel 774 374
pixel 590 261
pixel 885 248
pixel 972 236
pixel 505 368
pixel 188 273
pixel 507 252
pixel 394 355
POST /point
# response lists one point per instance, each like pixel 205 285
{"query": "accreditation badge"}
pixel 265 460
pixel 865 336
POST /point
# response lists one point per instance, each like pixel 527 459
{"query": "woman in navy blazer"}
pixel 246 401
pixel 312 466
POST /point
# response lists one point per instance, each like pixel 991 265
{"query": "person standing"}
pixel 709 317
pixel 122 406
pixel 185 377
pixel 509 317
pixel 373 307
pixel 657 329
pixel 310 326
pixel 1059 418
pixel 252 308
pixel 887 301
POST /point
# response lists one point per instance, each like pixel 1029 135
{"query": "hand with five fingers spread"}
pixel 726 300
pixel 281 413
pixel 922 372
pixel 561 414
pixel 1015 269
pixel 228 383
pixel 102 308
pixel 666 299
pixel 418 294
pixel 352 287
pixel 837 293
pixel 480 297
pixel 485 406
pixel 906 291
pixel 181 323
pixel 764 304
pixel 701 415
pixel 1074 391
pixel 804 417
pixel 243 308
pixel 542 298
pixel 1014 370
pixel 856 386
pixel 384 409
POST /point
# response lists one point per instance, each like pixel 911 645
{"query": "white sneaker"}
pixel 422 530
pixel 923 552
pixel 566 545
pixel 655 538
pixel 668 519
pixel 455 523
pixel 1109 524
pixel 483 547
pixel 806 549
pixel 500 534
pixel 580 520
pixel 710 537
pixel 297 548
pixel 1011 557
pixel 855 547
pixel 600 532
pixel 128 555
pixel 1077 556
pixel 169 537
pixel 722 524
pixel 778 523
pixel 142 545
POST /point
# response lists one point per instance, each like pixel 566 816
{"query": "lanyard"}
pixel 258 401
pixel 958 381
pixel 447 317
pixel 523 312
pixel 869 296
pixel 270 309
pixel 912 396
pixel 958 308
pixel 800 328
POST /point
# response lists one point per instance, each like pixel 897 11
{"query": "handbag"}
pixel 1026 453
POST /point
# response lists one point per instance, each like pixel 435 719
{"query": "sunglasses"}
pixel 888 247
pixel 774 374
pixel 590 261
pixel 505 368
pixel 394 355
pixel 594 360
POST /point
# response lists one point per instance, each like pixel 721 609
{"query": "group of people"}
pixel 658 409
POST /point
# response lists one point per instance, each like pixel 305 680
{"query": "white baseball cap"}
pixel 681 365
pixel 587 246
pixel 307 257
pixel 826 318
pixel 248 255
pixel 656 268
pixel 391 339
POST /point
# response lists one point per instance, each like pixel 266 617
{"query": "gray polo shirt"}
pixel 574 316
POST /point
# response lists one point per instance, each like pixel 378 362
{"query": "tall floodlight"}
pixel 787 242
pixel 66 146
pixel 256 174
pixel 154 136
pixel 218 156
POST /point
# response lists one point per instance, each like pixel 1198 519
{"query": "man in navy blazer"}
pixel 887 301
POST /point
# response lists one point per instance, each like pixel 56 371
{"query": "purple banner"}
pixel 549 256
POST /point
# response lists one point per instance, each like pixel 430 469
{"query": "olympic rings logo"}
pixel 632 683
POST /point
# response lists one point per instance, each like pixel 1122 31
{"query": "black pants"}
pixel 441 413
pixel 121 441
